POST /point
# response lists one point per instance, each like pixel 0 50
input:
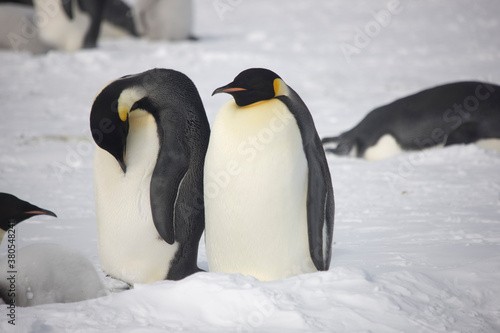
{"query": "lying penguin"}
pixel 454 113
pixel 41 273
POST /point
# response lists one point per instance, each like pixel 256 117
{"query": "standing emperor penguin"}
pixel 152 135
pixel 269 203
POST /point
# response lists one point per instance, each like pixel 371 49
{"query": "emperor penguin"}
pixel 152 134
pixel 164 19
pixel 118 20
pixel 453 113
pixel 269 203
pixel 66 25
pixel 14 210
pixel 69 25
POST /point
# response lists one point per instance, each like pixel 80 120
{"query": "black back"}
pixel 429 118
pixel 320 200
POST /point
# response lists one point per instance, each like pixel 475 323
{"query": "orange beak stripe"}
pixel 233 89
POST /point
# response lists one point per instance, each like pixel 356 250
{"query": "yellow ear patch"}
pixel 280 88
pixel 127 99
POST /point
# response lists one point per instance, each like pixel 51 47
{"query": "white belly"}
pixel 386 147
pixel 57 30
pixel 490 144
pixel 255 193
pixel 130 247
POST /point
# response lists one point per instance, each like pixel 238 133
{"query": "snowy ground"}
pixel 417 237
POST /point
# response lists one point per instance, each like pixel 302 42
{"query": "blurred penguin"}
pixel 164 19
pixel 18 29
pixel 69 25
pixel 118 20
pixel 66 25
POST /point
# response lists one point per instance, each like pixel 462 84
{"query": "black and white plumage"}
pixel 38 26
pixel 268 191
pixel 152 134
pixel 14 210
pixel 454 113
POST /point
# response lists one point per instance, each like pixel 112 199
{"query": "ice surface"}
pixel 417 236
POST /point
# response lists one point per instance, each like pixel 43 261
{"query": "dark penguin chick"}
pixel 268 192
pixel 152 134
pixel 14 210
pixel 454 113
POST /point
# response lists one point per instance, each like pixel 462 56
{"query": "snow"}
pixel 417 236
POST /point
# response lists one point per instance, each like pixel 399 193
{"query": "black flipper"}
pixel 320 201
pixel 168 174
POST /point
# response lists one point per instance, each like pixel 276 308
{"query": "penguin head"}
pixel 14 210
pixel 163 93
pixel 109 117
pixel 254 85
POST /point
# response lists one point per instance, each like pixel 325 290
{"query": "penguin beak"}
pixel 227 89
pixel 40 211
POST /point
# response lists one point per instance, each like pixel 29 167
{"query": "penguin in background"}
pixel 118 20
pixel 454 113
pixel 152 133
pixel 164 19
pixel 71 24
pixel 14 210
pixel 38 26
pixel 269 203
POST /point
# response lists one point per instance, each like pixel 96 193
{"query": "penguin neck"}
pixel 130 247
pixel 143 144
